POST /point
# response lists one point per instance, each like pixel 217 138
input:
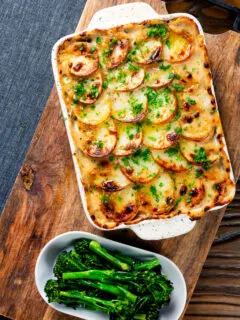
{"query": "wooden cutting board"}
pixel 45 200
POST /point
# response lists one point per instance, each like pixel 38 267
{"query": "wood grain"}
pixel 52 205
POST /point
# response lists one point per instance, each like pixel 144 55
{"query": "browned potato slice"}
pixel 96 113
pixel 170 159
pixel 196 128
pixel 147 51
pixel 118 51
pixel 122 205
pixel 161 106
pixel 95 200
pixel 129 139
pixel 189 190
pixel 157 197
pixel 125 78
pixel 87 90
pixel 207 150
pixel 129 106
pixel 140 166
pixel 160 136
pixel 109 177
pixel 226 192
pixel 159 77
pixel 85 63
pixel 96 141
pixel 177 47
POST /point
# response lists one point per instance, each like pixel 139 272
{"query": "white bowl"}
pixel 48 255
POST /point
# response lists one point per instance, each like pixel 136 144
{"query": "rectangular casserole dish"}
pixel 107 18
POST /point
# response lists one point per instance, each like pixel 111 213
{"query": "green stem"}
pixel 98 249
pixel 147 265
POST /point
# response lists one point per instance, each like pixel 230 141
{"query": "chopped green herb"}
pixel 201 157
pixel 136 106
pixel 153 190
pixel 92 49
pixel 168 43
pixel 164 67
pixel 99 40
pixel 132 67
pixel 191 101
pixel 172 151
pixel 152 139
pixel 99 144
pixel 178 87
pixel 171 75
pixel 178 130
pixel 157 30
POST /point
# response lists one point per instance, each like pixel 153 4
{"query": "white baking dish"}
pixel 107 18
pixel 48 255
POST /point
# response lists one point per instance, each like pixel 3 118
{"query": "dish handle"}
pixel 126 13
pixel 163 228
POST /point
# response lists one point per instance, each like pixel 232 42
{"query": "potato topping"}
pixel 144 122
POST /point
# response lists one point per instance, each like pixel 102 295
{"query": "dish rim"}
pixel 143 223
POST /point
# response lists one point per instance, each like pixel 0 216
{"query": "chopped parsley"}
pixel 94 92
pixel 152 139
pixel 147 76
pixel 81 47
pixel 191 101
pixel 154 192
pixel 173 151
pixel 99 40
pixel 105 199
pixel 171 75
pixel 137 187
pixel 132 67
pixel 136 106
pixel 157 30
pixel 168 43
pixel 201 157
pixel 92 49
pixel 176 76
pixel 164 67
pixel 199 173
pixel 157 98
pixel 99 144
pixel 178 130
pixel 178 87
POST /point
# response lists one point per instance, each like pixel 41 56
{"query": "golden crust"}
pixel 144 121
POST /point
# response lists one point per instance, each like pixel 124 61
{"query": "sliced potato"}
pixel 196 128
pixel 129 106
pixel 85 63
pixel 147 51
pixel 121 205
pixel 129 139
pixel 109 177
pixel 170 159
pixel 94 198
pixel 190 150
pixel 161 106
pixel 125 78
pixel 158 78
pixel 97 141
pixel 189 190
pixel 160 136
pixel 157 197
pixel 226 191
pixel 96 113
pixel 177 47
pixel 140 166
pixel 89 89
pixel 118 51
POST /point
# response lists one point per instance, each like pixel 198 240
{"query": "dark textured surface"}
pixel 28 30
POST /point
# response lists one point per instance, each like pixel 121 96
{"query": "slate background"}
pixel 28 30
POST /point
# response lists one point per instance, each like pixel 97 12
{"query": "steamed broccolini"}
pixel 89 277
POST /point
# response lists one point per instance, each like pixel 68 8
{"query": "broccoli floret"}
pixel 68 261
pixel 82 246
